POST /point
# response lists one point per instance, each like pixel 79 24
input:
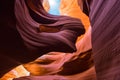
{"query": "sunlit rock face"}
pixel 71 8
pixel 46 5
pixel 17 72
